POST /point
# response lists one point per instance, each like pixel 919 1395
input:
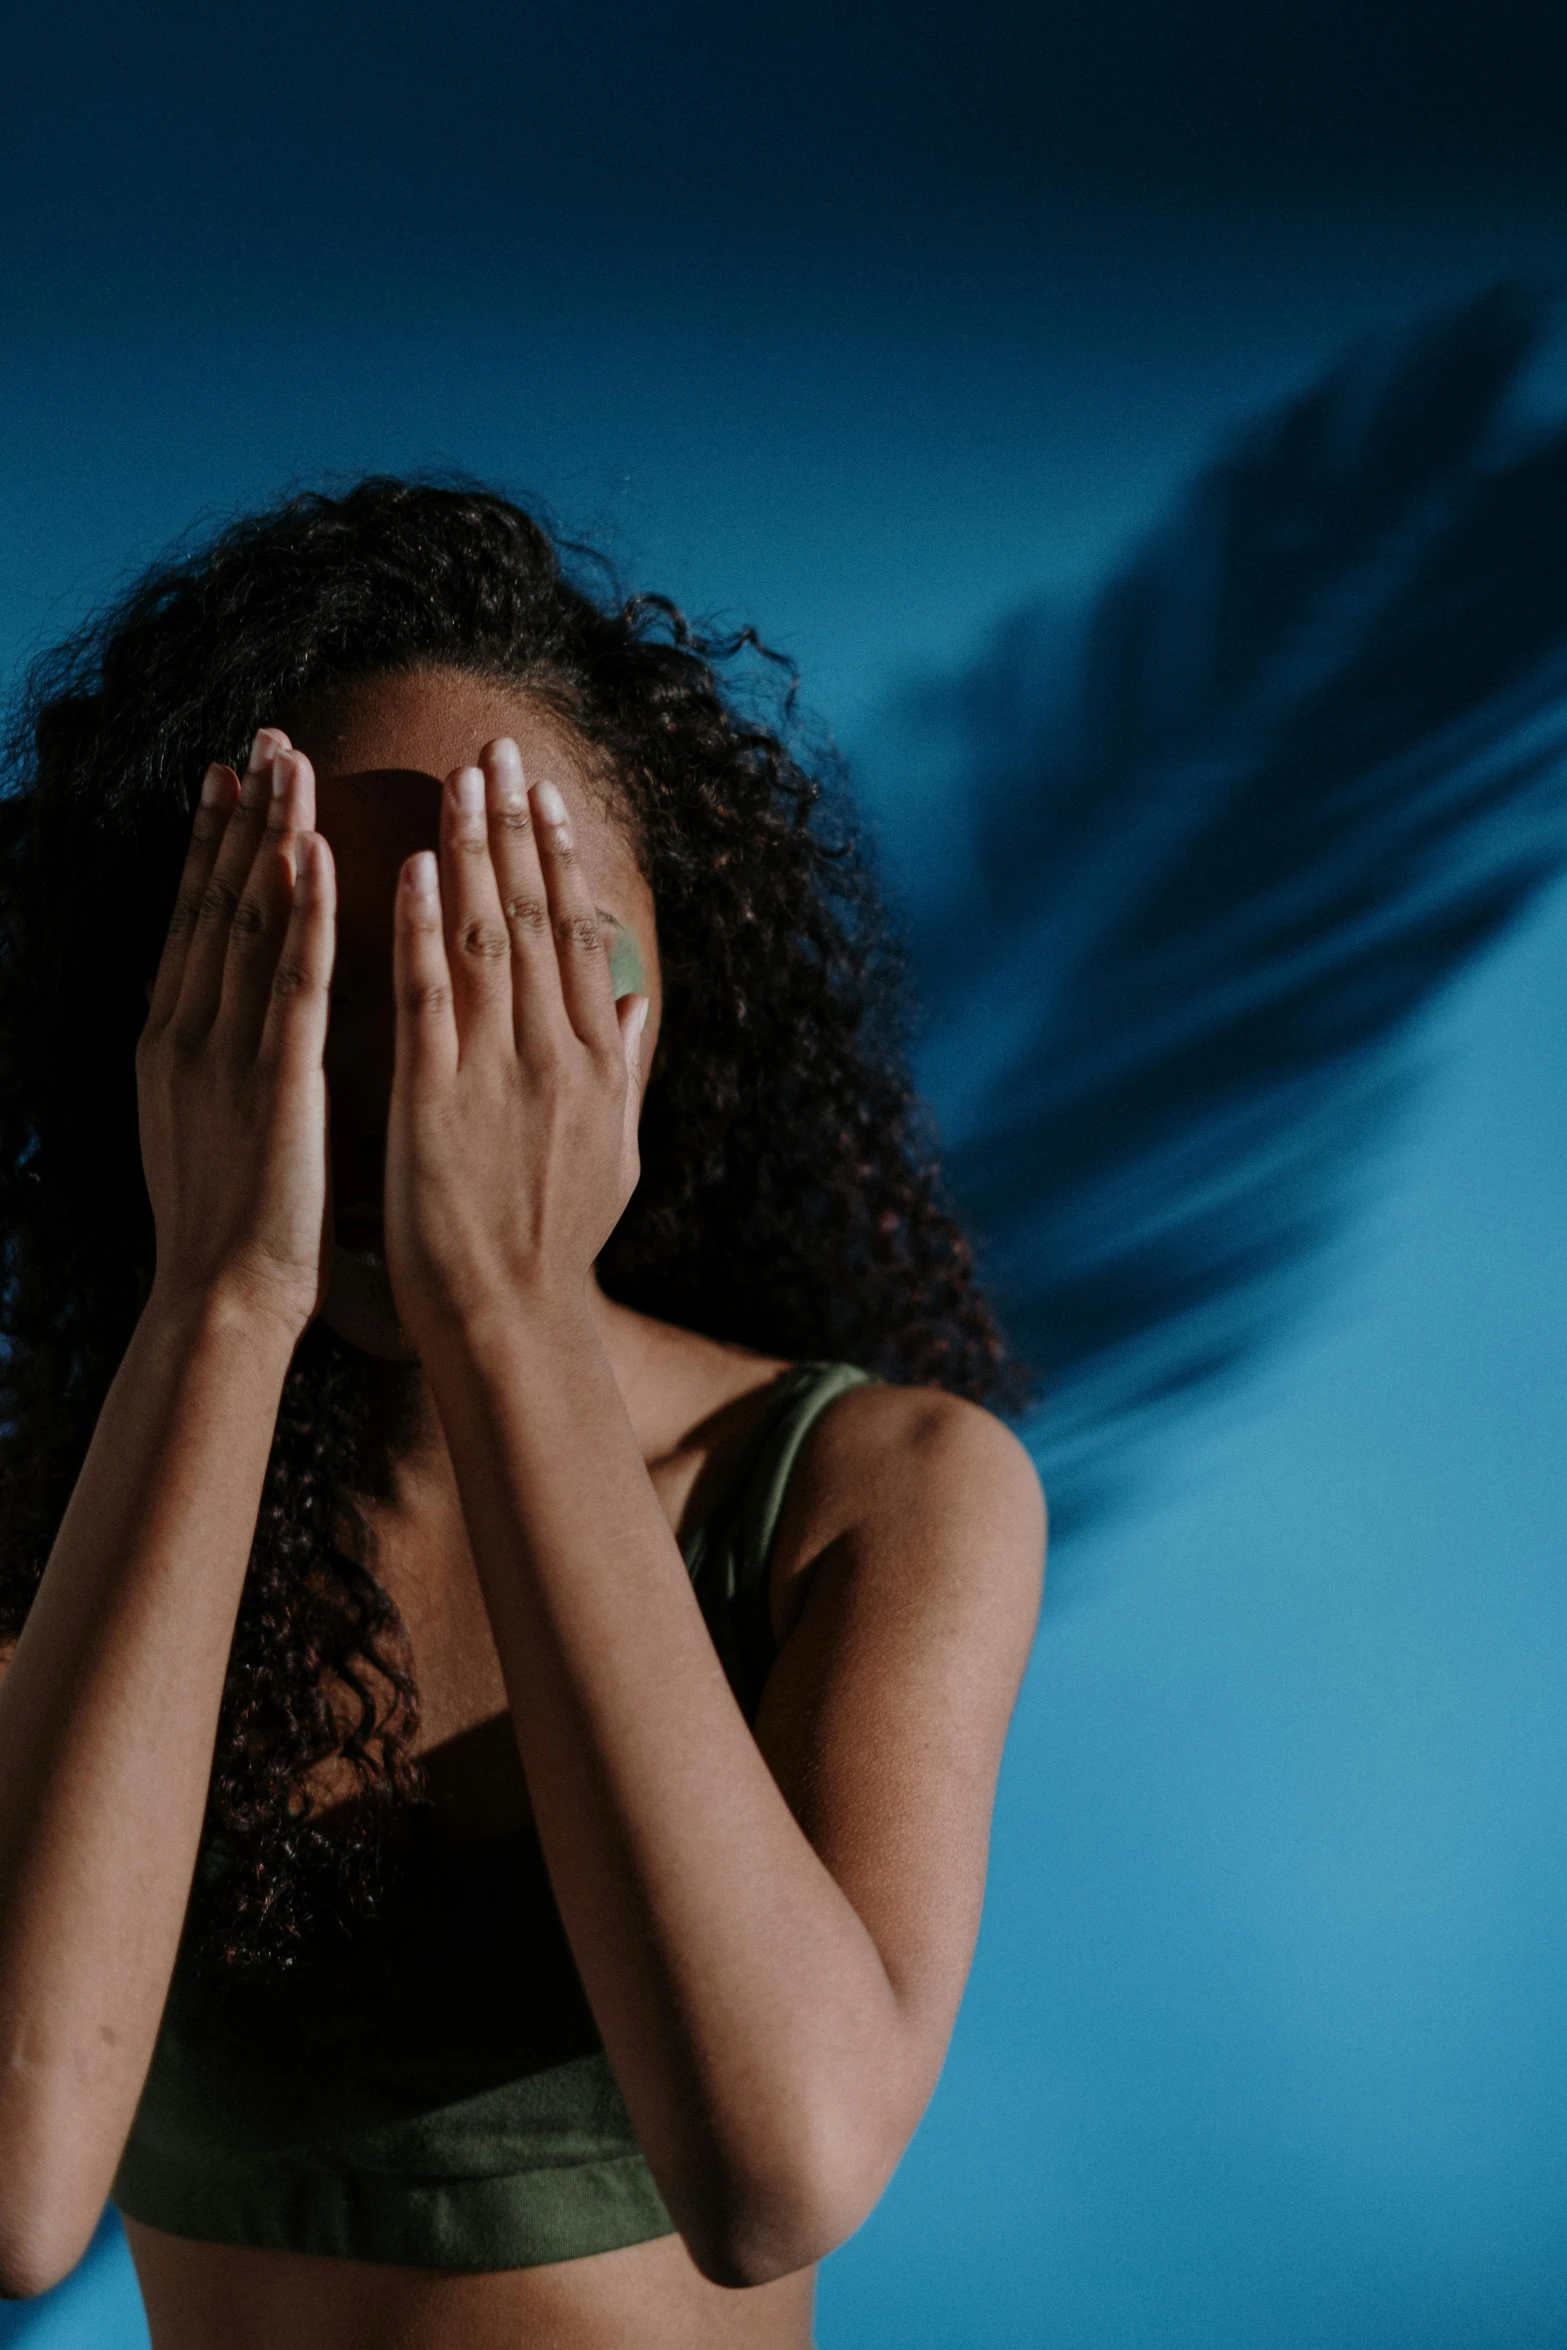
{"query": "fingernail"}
pixel 423 876
pixel 506 760
pixel 305 869
pixel 263 748
pixel 550 804
pixel 282 773
pixel 212 787
pixel 470 790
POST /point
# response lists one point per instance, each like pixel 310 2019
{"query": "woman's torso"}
pixel 696 1431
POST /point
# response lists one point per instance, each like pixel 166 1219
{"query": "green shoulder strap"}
pixel 730 1566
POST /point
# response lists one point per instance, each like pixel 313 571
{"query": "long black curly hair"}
pixel 788 1199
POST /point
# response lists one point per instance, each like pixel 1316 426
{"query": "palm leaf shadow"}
pixel 1233 829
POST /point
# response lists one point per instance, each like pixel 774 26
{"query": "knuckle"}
pixel 292 979
pixel 528 914
pixel 209 825
pixel 517 821
pixel 249 921
pixel 186 914
pixel 579 934
pixel 424 998
pixel 482 942
pixel 217 902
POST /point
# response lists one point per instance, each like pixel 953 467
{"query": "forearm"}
pixel 108 1714
pixel 744 2005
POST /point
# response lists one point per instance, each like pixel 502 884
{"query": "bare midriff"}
pixel 647 2297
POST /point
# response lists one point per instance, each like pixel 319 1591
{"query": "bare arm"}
pixel 109 1705
pixel 773 1931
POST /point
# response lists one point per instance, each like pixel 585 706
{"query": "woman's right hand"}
pixel 229 1072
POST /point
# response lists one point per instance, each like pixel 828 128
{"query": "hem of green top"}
pixel 522 2220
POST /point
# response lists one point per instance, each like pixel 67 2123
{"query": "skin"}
pixel 773 1929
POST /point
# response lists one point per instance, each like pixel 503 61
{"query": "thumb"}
pixel 631 1011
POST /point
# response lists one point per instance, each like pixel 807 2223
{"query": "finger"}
pixel 261 917
pixel 219 790
pixel 478 949
pixel 525 905
pixel 580 951
pixel 631 1012
pixel 421 976
pixel 201 981
pixel 293 1037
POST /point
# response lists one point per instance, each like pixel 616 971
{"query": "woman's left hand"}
pixel 512 1140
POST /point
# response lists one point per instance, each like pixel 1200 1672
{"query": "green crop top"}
pixel 444 2101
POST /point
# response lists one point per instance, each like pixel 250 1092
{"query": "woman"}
pixel 524 1650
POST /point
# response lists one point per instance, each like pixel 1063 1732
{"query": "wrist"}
pixel 268 1327
pixel 509 1326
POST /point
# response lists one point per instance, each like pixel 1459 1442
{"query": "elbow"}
pixel 770 2237
pixel 27 2281
pixel 50 2205
pixel 36 2256
pixel 751 2228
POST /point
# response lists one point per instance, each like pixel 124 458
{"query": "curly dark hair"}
pixel 788 1199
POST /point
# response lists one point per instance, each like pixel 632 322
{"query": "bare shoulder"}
pixel 917 1427
pixel 921 1487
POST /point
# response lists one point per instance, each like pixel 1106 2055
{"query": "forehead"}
pixel 429 721
pixel 381 747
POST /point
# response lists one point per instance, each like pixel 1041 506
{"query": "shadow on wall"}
pixel 1235 828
